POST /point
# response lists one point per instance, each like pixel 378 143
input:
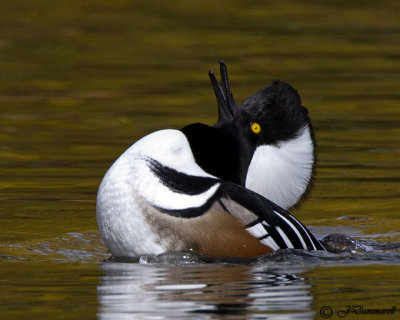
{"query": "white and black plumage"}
pixel 189 189
pixel 277 161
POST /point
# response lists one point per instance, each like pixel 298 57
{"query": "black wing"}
pixel 263 219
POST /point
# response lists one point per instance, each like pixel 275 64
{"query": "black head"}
pixel 270 116
pixel 274 138
pixel 273 117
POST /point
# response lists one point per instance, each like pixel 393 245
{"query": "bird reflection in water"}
pixel 202 290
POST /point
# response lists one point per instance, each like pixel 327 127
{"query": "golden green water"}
pixel 81 81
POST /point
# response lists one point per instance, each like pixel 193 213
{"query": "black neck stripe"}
pixel 180 182
pixel 187 213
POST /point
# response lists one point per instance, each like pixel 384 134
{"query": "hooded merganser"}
pixel 191 189
pixel 274 139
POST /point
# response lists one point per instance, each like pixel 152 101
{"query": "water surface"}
pixel 81 81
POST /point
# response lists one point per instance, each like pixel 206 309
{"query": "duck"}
pixel 219 191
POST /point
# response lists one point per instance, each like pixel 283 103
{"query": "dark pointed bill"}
pixel 226 102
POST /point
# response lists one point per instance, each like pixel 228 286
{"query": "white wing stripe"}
pixel 306 231
pixel 161 196
pixel 294 229
pixel 265 223
pixel 285 238
pixel 258 231
pixel 268 241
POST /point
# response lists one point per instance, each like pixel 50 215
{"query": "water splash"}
pixel 89 248
pixel 342 250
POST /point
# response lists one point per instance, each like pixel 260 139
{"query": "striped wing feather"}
pixel 232 221
pixel 269 223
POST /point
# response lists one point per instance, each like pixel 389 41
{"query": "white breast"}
pixel 282 173
pixel 129 186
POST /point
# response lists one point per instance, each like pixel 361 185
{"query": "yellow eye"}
pixel 255 127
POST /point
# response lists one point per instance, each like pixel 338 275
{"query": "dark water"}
pixel 81 81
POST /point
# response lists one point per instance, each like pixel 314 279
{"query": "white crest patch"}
pixel 281 173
